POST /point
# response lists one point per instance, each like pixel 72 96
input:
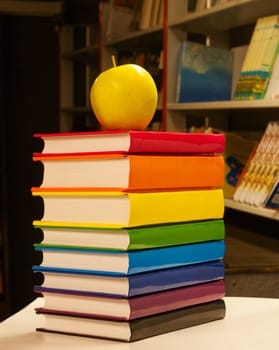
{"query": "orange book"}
pixel 131 172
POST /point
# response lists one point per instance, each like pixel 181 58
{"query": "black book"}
pixel 137 329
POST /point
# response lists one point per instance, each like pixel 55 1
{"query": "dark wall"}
pixel 30 96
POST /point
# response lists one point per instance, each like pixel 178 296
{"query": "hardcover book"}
pixel 127 263
pixel 132 141
pixel 111 307
pixel 131 172
pixel 138 284
pixel 133 330
pixel 120 209
pixel 134 238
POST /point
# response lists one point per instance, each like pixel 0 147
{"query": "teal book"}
pixel 128 263
pixel 204 73
pixel 143 237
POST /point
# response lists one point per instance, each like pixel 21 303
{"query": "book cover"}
pixel 204 73
pixel 259 61
pixel 127 263
pixel 128 286
pixel 131 172
pixel 132 141
pixel 120 209
pixel 134 330
pixel 236 155
pixel 272 92
pixel 121 18
pixel 262 169
pixel 134 238
pixel 272 200
pixel 121 308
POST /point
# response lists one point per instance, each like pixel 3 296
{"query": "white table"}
pixel 250 323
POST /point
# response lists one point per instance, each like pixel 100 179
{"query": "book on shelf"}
pixel 123 308
pixel 262 169
pixel 272 200
pixel 151 14
pixel 137 329
pixel 272 92
pixel 154 18
pixel 130 262
pixel 128 209
pixel 121 18
pixel 204 73
pixel 259 61
pixel 236 155
pixel 132 141
pixel 238 54
pixel 55 279
pixel 134 238
pixel 131 172
pixel 146 14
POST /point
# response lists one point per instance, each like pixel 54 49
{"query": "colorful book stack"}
pixel 133 232
pixel 259 61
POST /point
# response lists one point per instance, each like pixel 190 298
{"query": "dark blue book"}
pixel 131 262
pixel 128 286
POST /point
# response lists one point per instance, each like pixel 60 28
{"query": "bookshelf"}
pixel 259 211
pixel 222 23
pixel 88 58
pixel 227 23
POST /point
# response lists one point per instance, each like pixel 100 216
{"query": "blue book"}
pixel 128 263
pixel 60 280
pixel 204 73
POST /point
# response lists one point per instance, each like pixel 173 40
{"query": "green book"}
pixel 144 237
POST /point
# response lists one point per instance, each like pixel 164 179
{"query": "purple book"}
pixel 121 308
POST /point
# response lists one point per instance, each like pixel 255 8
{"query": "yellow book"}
pixel 122 209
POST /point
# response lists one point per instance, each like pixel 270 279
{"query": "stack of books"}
pixel 257 68
pixel 258 183
pixel 133 232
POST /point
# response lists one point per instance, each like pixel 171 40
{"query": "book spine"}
pixel 176 234
pixel 154 259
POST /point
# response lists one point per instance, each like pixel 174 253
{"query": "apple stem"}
pixel 113 61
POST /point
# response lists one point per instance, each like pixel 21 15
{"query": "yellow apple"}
pixel 124 97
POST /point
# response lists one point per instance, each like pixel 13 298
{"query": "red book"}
pixel 131 141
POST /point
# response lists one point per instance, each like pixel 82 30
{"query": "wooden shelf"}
pixel 83 55
pixel 149 38
pixel 223 105
pixel 226 16
pixel 77 110
pixel 260 211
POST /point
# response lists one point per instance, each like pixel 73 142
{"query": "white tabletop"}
pixel 250 323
